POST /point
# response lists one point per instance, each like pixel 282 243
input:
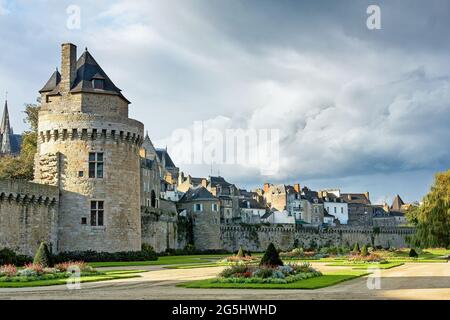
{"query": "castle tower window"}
pixel 97 212
pixel 95 164
pixel 98 83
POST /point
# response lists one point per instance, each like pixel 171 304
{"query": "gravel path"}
pixel 410 281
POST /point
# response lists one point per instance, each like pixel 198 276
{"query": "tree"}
pixel 364 251
pixel 433 215
pixel 356 248
pixel 43 255
pixel 271 257
pixel 21 167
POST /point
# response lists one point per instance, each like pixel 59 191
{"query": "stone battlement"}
pixel 90 134
pixel 28 192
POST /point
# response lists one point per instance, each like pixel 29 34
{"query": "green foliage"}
pixel 356 248
pixel 145 247
pixel 413 253
pixel 364 251
pixel 240 253
pixel 271 257
pixel 433 216
pixel 7 256
pixel 43 256
pixel 94 256
pixel 21 167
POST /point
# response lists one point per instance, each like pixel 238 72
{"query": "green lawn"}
pixel 325 280
pixel 165 260
pixel 109 275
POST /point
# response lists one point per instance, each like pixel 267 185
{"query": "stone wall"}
pixel 159 231
pixel 28 215
pixel 285 237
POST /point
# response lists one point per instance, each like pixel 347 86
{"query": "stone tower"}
pixel 89 148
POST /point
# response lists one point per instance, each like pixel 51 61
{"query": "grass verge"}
pixel 165 260
pixel 323 281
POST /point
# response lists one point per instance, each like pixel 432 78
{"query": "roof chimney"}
pixel 68 66
pixel 266 187
pixel 297 187
pixel 367 195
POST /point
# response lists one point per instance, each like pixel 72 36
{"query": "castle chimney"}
pixel 367 195
pixel 266 187
pixel 68 66
pixel 297 187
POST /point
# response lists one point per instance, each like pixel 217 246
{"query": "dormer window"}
pixel 98 83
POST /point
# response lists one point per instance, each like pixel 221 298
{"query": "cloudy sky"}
pixel 359 109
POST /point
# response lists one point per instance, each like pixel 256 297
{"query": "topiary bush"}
pixel 43 256
pixel 413 253
pixel 240 253
pixel 271 257
pixel 356 248
pixel 364 251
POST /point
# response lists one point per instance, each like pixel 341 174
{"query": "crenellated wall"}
pixel 28 215
pixel 285 237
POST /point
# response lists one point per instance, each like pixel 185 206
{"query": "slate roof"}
pixel 214 181
pixel 310 195
pixel 397 203
pixel 245 203
pixel 197 194
pixel 52 83
pixel 87 70
pixel 326 214
pixel 357 198
pixel 164 155
pixel 16 143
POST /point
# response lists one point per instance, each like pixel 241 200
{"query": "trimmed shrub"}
pixel 364 251
pixel 42 257
pixel 413 253
pixel 356 248
pixel 240 253
pixel 271 257
pixel 7 256
pixel 94 256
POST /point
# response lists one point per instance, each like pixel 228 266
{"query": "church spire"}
pixel 5 131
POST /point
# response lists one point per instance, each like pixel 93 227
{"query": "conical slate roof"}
pixel 52 83
pixel 397 203
pixel 87 70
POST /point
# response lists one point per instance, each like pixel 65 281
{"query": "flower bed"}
pixel 370 258
pixel 299 253
pixel 33 272
pixel 232 260
pixel 267 274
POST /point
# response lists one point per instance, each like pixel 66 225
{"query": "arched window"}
pixel 153 199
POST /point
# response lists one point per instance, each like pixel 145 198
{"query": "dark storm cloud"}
pixel 350 102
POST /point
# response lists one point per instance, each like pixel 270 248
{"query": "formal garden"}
pixel 296 268
pixel 20 271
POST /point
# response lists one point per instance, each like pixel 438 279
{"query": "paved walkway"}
pixel 410 281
